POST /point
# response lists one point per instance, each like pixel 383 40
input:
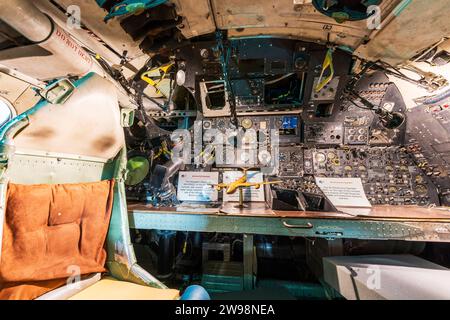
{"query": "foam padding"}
pixel 112 289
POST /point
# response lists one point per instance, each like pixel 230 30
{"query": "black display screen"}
pixel 247 66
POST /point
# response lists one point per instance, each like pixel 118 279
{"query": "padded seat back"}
pixel 52 232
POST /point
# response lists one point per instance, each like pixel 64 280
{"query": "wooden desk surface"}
pixel 375 213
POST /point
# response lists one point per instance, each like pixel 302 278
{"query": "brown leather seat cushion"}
pixel 50 232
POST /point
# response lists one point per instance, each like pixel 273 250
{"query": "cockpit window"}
pixel 5 112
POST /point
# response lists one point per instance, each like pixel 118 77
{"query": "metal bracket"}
pixel 59 92
pixel 430 80
pixel 127 117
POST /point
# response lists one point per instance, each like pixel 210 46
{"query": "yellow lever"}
pixel 160 73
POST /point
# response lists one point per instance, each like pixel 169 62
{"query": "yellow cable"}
pixel 327 63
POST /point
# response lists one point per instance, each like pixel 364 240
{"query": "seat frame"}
pixel 41 167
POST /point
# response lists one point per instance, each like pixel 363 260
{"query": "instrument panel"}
pixel 389 174
pixel 288 127
pixel 268 98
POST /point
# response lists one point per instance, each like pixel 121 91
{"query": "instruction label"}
pixel 197 186
pixel 344 192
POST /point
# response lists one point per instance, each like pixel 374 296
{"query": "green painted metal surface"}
pixel 300 290
pixel 121 262
pixel 320 228
pixel 312 228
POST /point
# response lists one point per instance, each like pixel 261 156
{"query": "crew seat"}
pixel 53 246
pixel 63 214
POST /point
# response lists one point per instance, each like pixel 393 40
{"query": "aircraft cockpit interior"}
pixel 224 149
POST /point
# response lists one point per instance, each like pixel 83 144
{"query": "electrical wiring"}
pixel 225 54
pixel 279 79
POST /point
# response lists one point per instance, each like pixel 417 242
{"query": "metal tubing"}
pixel 24 17
pixel 166 252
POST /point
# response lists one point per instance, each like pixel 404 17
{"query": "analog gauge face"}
pixel 204 53
pixel 320 157
pixel 247 123
pixel 331 155
pixel 300 63
pixel 206 124
pixel 278 124
pixel 421 190
pixel 393 190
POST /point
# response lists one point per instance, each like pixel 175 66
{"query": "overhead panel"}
pixel 286 18
pixel 416 26
pixel 197 17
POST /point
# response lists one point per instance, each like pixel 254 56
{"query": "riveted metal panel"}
pixel 319 228
pixel 54 168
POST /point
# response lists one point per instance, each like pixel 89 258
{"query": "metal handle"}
pixel 298 226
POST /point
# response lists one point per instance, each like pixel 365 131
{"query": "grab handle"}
pixel 298 226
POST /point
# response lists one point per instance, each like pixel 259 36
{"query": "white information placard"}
pixel 251 194
pixel 344 192
pixel 197 186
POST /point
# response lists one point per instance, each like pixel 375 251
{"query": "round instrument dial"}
pixel 247 123
pixel 320 157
